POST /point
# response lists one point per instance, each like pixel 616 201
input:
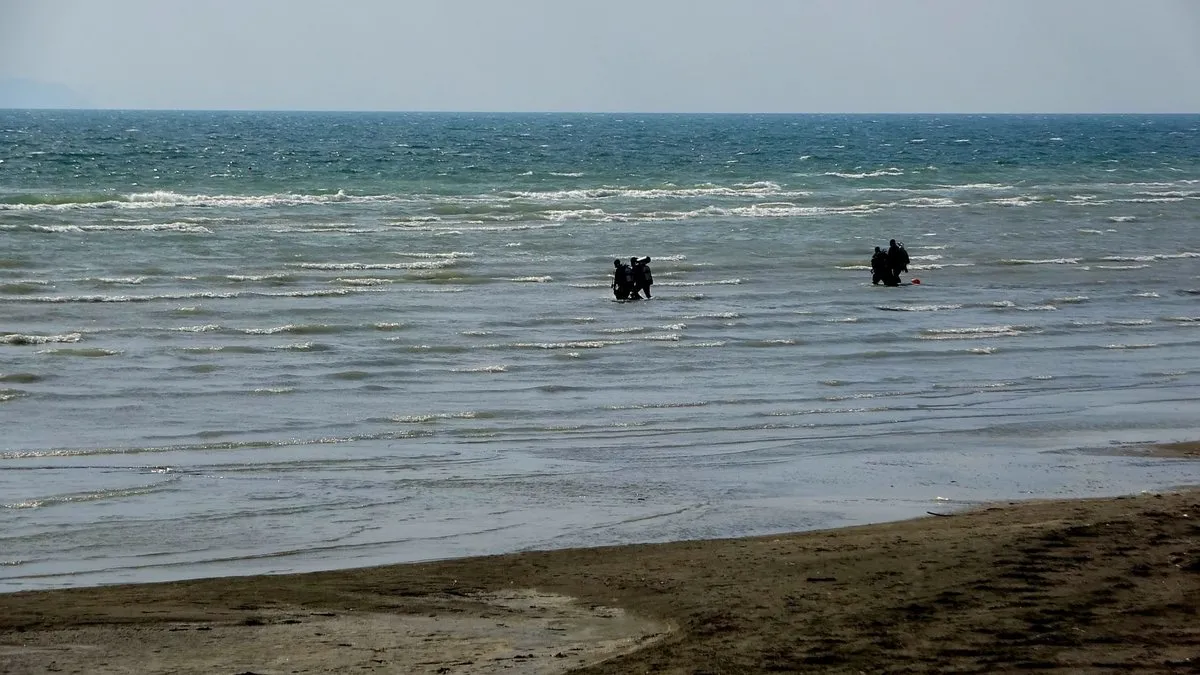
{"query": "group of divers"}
pixel 632 280
pixel 886 266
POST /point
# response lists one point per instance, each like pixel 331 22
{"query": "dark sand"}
pixel 1086 586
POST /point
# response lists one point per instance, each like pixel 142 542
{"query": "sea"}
pixel 264 342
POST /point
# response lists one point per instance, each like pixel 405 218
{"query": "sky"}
pixel 767 56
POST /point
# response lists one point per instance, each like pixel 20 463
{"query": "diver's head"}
pixel 616 262
pixel 892 242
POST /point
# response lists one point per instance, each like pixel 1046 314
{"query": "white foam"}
pixel 419 265
pixel 434 417
pixel 363 281
pixel 258 277
pixel 972 333
pixel 29 339
pixel 921 308
pixel 1047 261
pixel 890 171
pixel 719 282
pixel 930 203
pixel 535 280
pixel 580 344
pixel 1022 200
pixel 482 369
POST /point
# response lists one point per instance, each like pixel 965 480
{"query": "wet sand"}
pixel 1094 585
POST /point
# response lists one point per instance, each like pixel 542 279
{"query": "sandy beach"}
pixel 1093 585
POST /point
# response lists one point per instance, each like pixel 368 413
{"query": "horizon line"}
pixel 590 112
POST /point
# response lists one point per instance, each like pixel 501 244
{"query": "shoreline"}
pixel 1087 584
pixel 1082 584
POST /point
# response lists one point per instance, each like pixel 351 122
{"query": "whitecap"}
pixel 974 332
pixel 30 339
pixel 482 369
pixel 890 171
pixel 1047 261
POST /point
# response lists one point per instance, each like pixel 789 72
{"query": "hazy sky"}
pixel 613 55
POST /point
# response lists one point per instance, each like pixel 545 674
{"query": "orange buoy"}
pixel 916 282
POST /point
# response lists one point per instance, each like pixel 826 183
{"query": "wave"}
pixel 435 417
pixel 303 347
pixel 208 447
pixel 85 352
pixel 20 378
pixel 739 190
pixel 187 228
pixel 979 186
pixel 890 171
pixel 334 267
pixel 228 349
pixel 920 308
pixel 209 295
pixel 499 368
pixel 27 339
pixel 169 199
pixel 575 344
pixel 1047 261
pixel 299 329
pixel 274 276
pixel 718 282
pixel 363 281
pixel 975 332
pixel 78 497
pixel 1152 257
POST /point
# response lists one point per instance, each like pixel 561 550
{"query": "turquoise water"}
pixel 236 343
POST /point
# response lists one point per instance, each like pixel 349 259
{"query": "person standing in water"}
pixel 642 277
pixel 621 280
pixel 897 259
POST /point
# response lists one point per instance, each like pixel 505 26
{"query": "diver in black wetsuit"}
pixel 897 259
pixel 881 269
pixel 620 283
pixel 642 278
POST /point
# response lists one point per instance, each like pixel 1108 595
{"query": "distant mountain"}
pixel 22 93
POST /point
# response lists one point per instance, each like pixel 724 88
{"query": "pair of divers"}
pixel 629 280
pixel 886 266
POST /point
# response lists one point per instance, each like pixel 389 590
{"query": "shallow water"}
pixel 237 343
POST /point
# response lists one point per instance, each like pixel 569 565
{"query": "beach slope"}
pixel 1095 585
